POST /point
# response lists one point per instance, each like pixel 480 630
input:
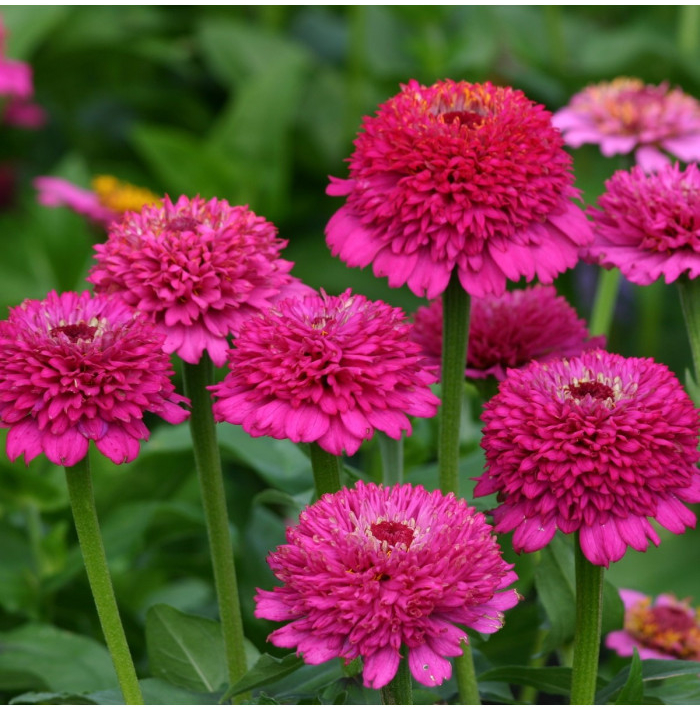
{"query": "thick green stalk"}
pixel 604 303
pixel 392 458
pixel 466 677
pixel 326 470
pixel 211 483
pixel 688 30
pixel 82 500
pixel 689 291
pixel 399 690
pixel 589 614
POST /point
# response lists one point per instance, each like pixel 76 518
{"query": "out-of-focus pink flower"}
pixel 377 572
pixel 597 445
pixel 458 176
pixel 74 368
pixel 665 629
pixel 15 79
pixel 197 269
pixel 648 225
pixel 329 369
pixel 509 331
pixel 625 115
pixel 25 114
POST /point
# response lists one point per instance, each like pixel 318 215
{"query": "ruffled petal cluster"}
pixel 598 444
pixel 663 629
pixel 648 225
pixel 458 176
pixel 375 572
pixel 197 269
pixel 74 368
pixel 509 330
pixel 329 369
pixel 627 115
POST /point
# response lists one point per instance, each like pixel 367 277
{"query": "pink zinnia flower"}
pixel 648 225
pixel 462 176
pixel 625 115
pixel 329 369
pixel 197 269
pixel 667 629
pixel 74 368
pixel 375 572
pixel 596 445
pixel 509 330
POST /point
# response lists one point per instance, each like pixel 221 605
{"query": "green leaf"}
pixel 633 691
pixel 185 650
pixel 267 669
pixel 554 680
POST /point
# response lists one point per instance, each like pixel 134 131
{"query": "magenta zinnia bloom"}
pixel 197 269
pixel 625 115
pixel 648 225
pixel 665 629
pixel 462 176
pixel 596 445
pixel 74 368
pixel 329 369
pixel 509 331
pixel 375 572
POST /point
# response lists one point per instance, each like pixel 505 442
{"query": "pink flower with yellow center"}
pixel 197 269
pixel 378 572
pixel 665 629
pixel 508 331
pixel 648 225
pixel 326 369
pixel 74 368
pixel 458 176
pixel 598 445
pixel 625 115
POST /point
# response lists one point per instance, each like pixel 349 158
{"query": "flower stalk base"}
pixel 689 291
pixel 399 691
pixel 392 458
pixel 605 299
pixel 326 470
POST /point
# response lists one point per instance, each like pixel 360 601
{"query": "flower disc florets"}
pixel 373 572
pixel 462 176
pixel 509 331
pixel 196 269
pixel 648 226
pixel 625 115
pixel 596 444
pixel 75 368
pixel 329 369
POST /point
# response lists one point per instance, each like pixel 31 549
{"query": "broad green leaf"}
pixel 554 680
pixel 267 669
pixel 28 26
pixel 633 691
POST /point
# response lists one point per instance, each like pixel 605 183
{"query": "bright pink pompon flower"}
pixel 375 572
pixel 197 269
pixel 667 629
pixel 596 445
pixel 57 192
pixel 329 369
pixel 625 115
pixel 509 331
pixel 648 225
pixel 462 176
pixel 74 368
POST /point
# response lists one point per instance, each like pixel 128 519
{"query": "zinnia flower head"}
pixel 329 369
pixel 462 176
pixel 625 115
pixel 196 268
pixel 74 368
pixel 597 444
pixel 375 572
pixel 663 629
pixel 509 330
pixel 648 225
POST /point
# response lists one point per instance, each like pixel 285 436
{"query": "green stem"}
pixel 604 304
pixel 589 613
pixel 326 469
pixel 689 291
pixel 466 677
pixel 399 690
pixel 688 29
pixel 82 502
pixel 211 483
pixel 392 458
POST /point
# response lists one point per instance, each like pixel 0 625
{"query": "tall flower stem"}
pixel 326 470
pixel 399 690
pixel 455 332
pixel 589 614
pixel 392 458
pixel 211 483
pixel 689 291
pixel 82 500
pixel 604 303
